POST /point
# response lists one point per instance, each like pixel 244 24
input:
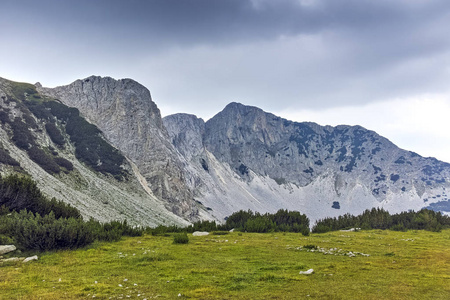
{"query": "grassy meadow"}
pixel 400 265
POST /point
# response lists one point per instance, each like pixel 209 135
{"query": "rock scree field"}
pixel 372 264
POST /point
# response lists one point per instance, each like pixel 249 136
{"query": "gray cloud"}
pixel 303 53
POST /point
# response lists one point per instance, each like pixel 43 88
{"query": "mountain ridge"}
pixel 241 158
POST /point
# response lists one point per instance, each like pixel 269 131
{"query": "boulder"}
pixel 6 249
pixel 12 259
pixel 200 233
pixel 30 259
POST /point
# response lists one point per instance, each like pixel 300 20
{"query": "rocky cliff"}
pixel 271 162
pixel 127 162
pixel 71 160
pixel 124 111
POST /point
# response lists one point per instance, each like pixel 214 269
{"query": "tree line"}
pixel 31 221
pixel 378 218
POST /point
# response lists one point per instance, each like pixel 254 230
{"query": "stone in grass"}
pixel 310 271
pixel 12 259
pixel 30 259
pixel 200 233
pixel 6 249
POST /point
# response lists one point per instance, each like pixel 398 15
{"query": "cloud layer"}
pixel 196 56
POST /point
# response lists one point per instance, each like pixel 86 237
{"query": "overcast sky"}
pixel 382 64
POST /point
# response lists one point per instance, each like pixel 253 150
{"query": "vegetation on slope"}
pixel 20 192
pixel 37 223
pixel 58 119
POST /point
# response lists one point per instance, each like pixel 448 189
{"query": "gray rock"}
pixel 200 233
pixel 7 248
pixel 96 195
pixel 308 272
pixel 131 121
pixel 328 170
pixel 35 257
pixel 12 259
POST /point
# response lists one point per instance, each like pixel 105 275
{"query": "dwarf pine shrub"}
pixel 180 238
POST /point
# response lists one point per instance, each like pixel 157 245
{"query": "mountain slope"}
pixel 101 145
pixel 124 111
pixel 252 159
pixel 35 140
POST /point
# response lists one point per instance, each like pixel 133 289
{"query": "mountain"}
pixel 101 145
pixel 72 160
pixel 248 159
pixel 125 113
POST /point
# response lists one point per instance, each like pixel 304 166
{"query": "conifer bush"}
pixel 180 238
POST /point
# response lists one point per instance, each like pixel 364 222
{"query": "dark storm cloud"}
pixel 331 52
pixel 225 21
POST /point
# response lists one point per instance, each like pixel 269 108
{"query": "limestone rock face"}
pixel 124 111
pixel 186 133
pixel 247 137
pixel 250 159
pixel 99 195
pixel 6 249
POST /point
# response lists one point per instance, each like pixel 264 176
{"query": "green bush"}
pixel 6 159
pixel 62 162
pixel 310 247
pixel 45 161
pixel 20 192
pixel 220 232
pixel 180 238
pixel 22 136
pixel 34 232
pixel 6 240
pixel 377 218
pixel 54 134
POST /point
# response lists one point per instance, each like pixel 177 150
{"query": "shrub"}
pixel 310 247
pixel 18 193
pixel 220 232
pixel 6 159
pixel 55 134
pixel 22 136
pixel 34 232
pixel 62 162
pixel 44 160
pixel 305 231
pixel 180 238
pixel 398 227
pixel 6 240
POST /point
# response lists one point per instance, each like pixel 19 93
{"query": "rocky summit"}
pixel 247 158
pixel 119 159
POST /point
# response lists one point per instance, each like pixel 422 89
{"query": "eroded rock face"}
pixel 319 170
pixel 97 194
pixel 131 121
pixel 248 138
pixel 186 133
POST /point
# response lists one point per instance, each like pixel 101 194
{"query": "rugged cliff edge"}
pixel 319 170
pixel 71 160
pixel 124 111
pixel 130 163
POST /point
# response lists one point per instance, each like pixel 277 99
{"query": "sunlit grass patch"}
pixel 247 266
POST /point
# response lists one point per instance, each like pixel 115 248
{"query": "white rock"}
pixel 310 271
pixel 6 249
pixel 200 233
pixel 30 258
pixel 12 259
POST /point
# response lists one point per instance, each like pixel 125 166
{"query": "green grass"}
pixel 401 265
